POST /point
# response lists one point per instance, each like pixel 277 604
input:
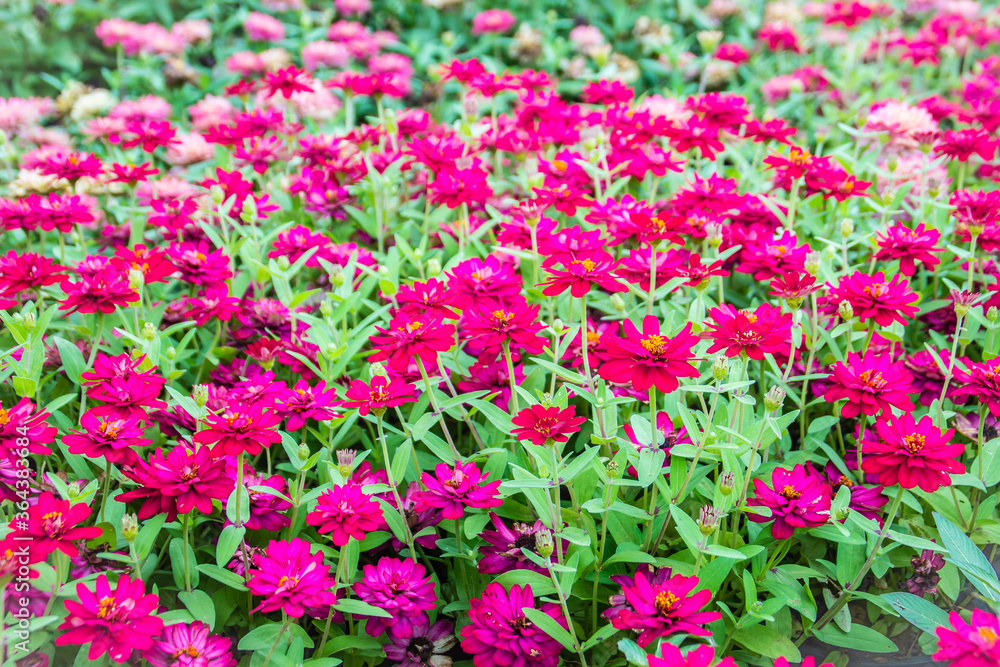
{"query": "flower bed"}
pixel 448 335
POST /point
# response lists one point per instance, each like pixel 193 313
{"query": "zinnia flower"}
pixel 874 297
pixel 871 384
pixel 649 359
pixel 110 438
pixel 909 246
pixel 981 381
pixel 408 337
pixel 241 428
pixel 911 453
pixel 113 622
pixel 796 498
pixel 453 488
pixel 183 645
pixel 502 552
pixel 178 483
pixel 500 633
pixel 53 524
pixel 540 424
pixel 703 656
pixel 400 588
pixel 765 330
pixel 972 644
pixel 345 512
pixel 101 292
pixel 291 578
pixel 661 609
pixel 377 396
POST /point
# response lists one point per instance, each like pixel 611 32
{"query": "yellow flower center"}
pixel 106 607
pixel 788 491
pixel 665 602
pixel 914 442
pixel 654 344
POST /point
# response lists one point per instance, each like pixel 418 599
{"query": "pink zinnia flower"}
pixel 408 337
pixel 378 395
pixel 303 403
pixel 112 438
pixel 580 274
pixel 401 588
pixel 291 578
pixel 502 552
pixel 453 488
pixel 972 644
pixel 765 330
pixel 177 483
pixel 649 359
pixel 703 656
pixel 871 384
pixel 492 21
pixel 102 292
pixel 500 633
pixel 542 424
pixel 241 428
pixel 345 512
pixel 194 645
pixel 491 324
pixel 981 381
pixel 660 610
pixel 875 297
pixel 796 498
pixel 53 524
pixel 111 621
pixel 912 453
pixel 909 246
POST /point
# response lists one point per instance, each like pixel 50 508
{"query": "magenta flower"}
pixel 110 438
pixel 183 645
pixel 875 297
pixel 703 656
pixel 796 498
pixel 871 384
pixel 500 633
pixel 113 622
pixel 241 428
pixel 453 488
pixel 408 337
pixel 378 395
pixel 981 381
pixel 291 578
pixel 178 483
pixel 400 588
pixel 53 524
pixel 21 423
pixel 659 610
pixel 303 403
pixel 128 398
pixel 912 453
pixel 972 644
pixel 102 292
pixel 427 646
pixel 542 424
pixel 649 359
pixel 765 330
pixel 265 508
pixel 345 512
pixel 502 552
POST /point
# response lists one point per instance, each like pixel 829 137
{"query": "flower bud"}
pixel 613 470
pixel 845 310
pixel 283 263
pixel 136 279
pixel 846 227
pixel 217 193
pixel 842 513
pixel 708 519
pixel 29 322
pixel 720 368
pixel 337 276
pixel 991 314
pixel 774 399
pixel 170 353
pixel 813 261
pixel 148 332
pixel 130 527
pixel 326 308
pixel 544 544
pixel 199 394
pixel 345 461
pixel 727 482
pixel 709 39
pixel 618 303
pixel 304 452
pixel 448 37
pixel 714 232
pixel 383 271
pixel 892 163
pixel 434 267
pixel 376 369
pixel 558 326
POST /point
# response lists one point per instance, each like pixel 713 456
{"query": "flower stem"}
pixel 515 407
pixel 436 408
pixel 395 488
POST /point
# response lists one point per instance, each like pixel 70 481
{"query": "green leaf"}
pixel 550 626
pixel 540 584
pixel 72 359
pixel 229 542
pixel 632 653
pixel 768 642
pixel 147 535
pixel 860 638
pixel 260 638
pixel 923 614
pixel 226 577
pixel 963 552
pixel 200 605
pixel 350 606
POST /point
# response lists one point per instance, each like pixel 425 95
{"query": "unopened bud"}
pixel 345 461
pixel 326 308
pixel 130 527
pixel 199 394
pixel 618 303
pixel 331 351
pixel 217 193
pixel 376 369
pixel 892 163
pixel 774 399
pixel 170 353
pixel 434 267
pixel 845 310
pixel 714 232
pixel 29 321
pixel 709 39
pixel 337 276
pixel 383 271
pixel 991 314
pixel 136 279
pixel 613 470
pixel 708 519
pixel 283 263
pixel 304 452
pixel 842 513
pixel 558 325
pixel 544 545
pixel 846 227
pixel 813 261
pixel 720 368
pixel 148 332
pixel 727 482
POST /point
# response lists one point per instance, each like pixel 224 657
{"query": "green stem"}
pixel 395 490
